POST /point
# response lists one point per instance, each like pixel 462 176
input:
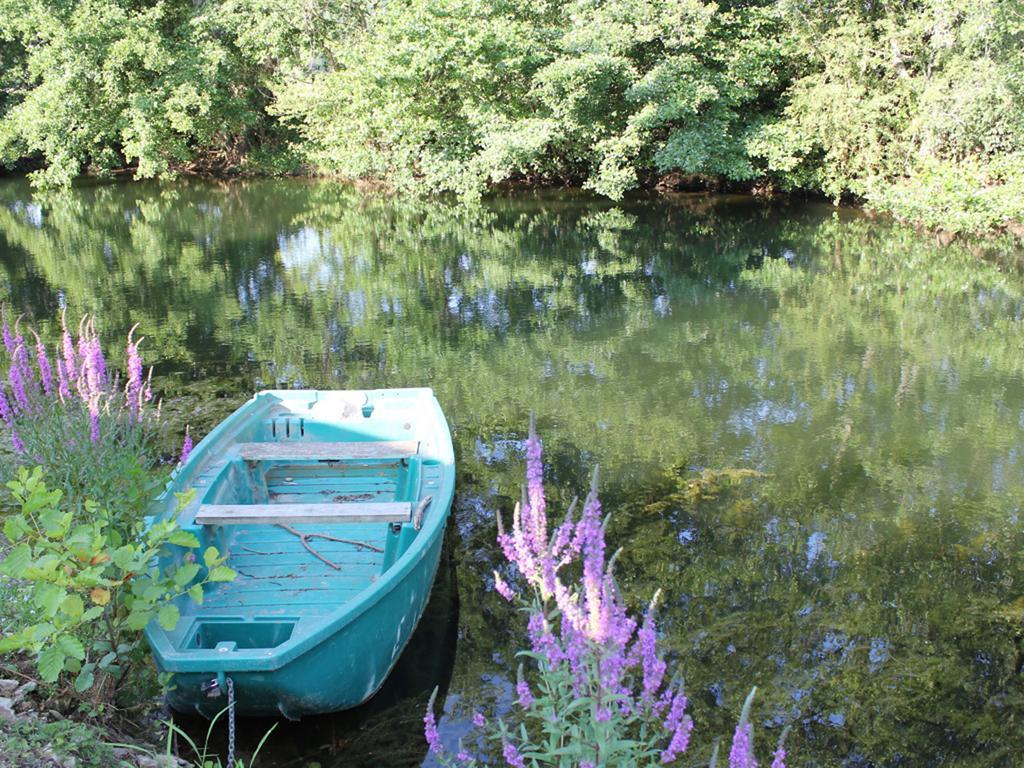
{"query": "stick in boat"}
pixel 304 538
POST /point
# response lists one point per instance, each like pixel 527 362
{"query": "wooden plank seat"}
pixel 309 451
pixel 290 514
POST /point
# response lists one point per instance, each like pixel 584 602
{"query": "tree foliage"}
pixel 916 107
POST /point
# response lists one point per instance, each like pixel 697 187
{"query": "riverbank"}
pixel 959 214
pixel 917 110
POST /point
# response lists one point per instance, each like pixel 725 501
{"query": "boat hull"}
pixel 340 673
pixel 330 508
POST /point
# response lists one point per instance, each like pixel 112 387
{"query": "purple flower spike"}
pixel 512 756
pixel 779 760
pixel 8 336
pixel 653 666
pixel 68 348
pixel 502 588
pixel 430 727
pixel 133 388
pixel 6 414
pixel 679 725
pixel 94 424
pixel 63 388
pixel 186 447
pixel 523 694
pixel 15 375
pixel 45 371
pixel 19 447
pixel 535 490
pixel 742 753
pixel 478 720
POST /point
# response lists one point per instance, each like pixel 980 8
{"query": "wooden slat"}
pixel 379 449
pixel 291 514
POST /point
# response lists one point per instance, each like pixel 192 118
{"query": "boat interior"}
pixel 310 515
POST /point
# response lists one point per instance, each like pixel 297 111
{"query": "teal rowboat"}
pixel 331 507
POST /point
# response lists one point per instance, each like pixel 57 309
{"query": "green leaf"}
pixel 107 660
pixel 168 617
pixel 17 561
pixel 85 679
pixel 93 613
pixel 73 607
pixel 17 642
pixel 184 539
pixel 139 619
pixel 53 521
pixel 211 556
pixel 185 574
pixel 48 597
pixel 222 573
pixel 123 557
pixel 40 632
pixel 51 663
pixel 71 646
pixel 15 527
pixel 196 593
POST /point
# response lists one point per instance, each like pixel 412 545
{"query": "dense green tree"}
pixel 916 107
pixel 109 82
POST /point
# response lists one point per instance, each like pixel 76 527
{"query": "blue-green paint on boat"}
pixel 295 635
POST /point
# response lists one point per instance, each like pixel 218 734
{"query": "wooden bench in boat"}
pixel 289 514
pixel 303 451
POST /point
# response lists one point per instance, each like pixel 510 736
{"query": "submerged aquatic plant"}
pixel 595 692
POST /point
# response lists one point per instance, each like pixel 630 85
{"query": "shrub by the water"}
pixel 593 689
pixel 81 467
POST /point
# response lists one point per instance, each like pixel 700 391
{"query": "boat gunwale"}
pixel 171 659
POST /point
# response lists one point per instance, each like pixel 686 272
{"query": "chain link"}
pixel 231 722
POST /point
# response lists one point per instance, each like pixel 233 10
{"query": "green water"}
pixel 868 575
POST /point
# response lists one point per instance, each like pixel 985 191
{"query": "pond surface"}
pixel 809 426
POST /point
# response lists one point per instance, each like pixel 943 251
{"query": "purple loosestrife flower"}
pixel 8 336
pixel 538 535
pixel 133 387
pixel 430 727
pixel 779 758
pixel 591 542
pixel 45 371
pixel 502 587
pixel 523 693
pixel 16 377
pixel 186 447
pixel 478 720
pixel 68 348
pixel 63 389
pixel 6 414
pixel 512 756
pixel 652 664
pixel 94 422
pixel 679 726
pixel 19 447
pixel 542 641
pixel 742 753
pixel 464 757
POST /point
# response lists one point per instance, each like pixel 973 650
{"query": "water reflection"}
pixel 809 423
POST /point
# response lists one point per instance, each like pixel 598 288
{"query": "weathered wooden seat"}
pixel 303 451
pixel 290 514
